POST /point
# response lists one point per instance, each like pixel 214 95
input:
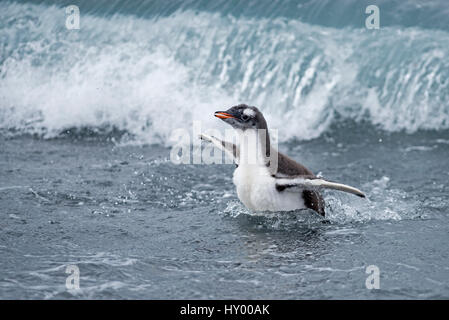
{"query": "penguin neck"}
pixel 254 146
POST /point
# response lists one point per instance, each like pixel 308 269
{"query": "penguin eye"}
pixel 245 117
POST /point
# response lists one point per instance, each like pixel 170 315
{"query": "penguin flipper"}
pixel 303 182
pixel 228 147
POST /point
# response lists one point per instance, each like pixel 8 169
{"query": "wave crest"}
pixel 151 76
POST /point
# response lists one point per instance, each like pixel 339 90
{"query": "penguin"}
pixel 266 179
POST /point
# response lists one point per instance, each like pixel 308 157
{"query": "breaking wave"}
pixel 151 74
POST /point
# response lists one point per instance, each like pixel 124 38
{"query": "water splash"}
pixel 151 76
pixel 383 203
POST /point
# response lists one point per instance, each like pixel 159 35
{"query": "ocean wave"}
pixel 151 76
pixel 337 14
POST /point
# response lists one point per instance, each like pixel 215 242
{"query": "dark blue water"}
pixel 88 116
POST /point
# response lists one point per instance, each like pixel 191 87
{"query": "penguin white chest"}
pixel 256 188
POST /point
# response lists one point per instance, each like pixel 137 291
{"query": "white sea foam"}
pixel 152 76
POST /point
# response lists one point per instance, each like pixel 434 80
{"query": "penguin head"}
pixel 243 117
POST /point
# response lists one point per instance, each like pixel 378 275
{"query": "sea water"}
pixel 87 117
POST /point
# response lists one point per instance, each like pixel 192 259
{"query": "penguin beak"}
pixel 223 115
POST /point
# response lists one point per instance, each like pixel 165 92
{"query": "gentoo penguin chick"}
pixel 265 179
